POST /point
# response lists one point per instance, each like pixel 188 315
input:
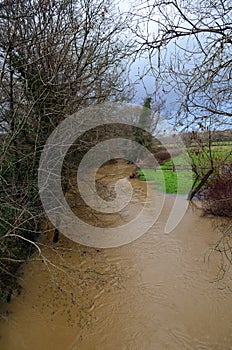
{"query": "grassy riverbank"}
pixel 167 180
pixel 176 176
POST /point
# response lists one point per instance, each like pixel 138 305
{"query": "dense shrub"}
pixel 218 194
pixel 162 156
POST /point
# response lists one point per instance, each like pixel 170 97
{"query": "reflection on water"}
pixel 155 293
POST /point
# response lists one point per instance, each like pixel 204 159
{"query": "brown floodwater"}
pixel 159 292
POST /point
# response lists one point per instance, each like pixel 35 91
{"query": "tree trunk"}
pixel 193 191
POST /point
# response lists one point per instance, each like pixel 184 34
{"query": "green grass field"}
pixel 181 180
pixel 168 181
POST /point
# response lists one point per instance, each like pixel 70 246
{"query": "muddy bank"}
pixel 14 252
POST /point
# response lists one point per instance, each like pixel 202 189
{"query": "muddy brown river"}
pixel 159 292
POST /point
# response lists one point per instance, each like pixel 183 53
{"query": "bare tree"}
pixel 55 58
pixel 61 56
pixel 188 44
pixel 189 48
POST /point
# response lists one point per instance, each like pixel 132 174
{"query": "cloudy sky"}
pixel 147 85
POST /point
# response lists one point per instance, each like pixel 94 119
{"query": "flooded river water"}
pixel 156 293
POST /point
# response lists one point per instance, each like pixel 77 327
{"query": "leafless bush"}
pixel 55 58
pixel 162 156
pixel 218 194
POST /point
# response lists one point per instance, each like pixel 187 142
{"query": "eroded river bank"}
pixel 158 292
